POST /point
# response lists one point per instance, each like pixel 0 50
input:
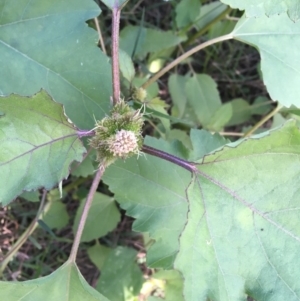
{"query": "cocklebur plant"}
pixel 223 216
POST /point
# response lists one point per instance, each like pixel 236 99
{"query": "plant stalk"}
pixel 190 166
pixel 265 119
pixel 85 212
pixel 183 57
pixel 115 53
pixel 23 238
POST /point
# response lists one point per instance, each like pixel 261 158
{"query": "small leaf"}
pixel 57 216
pixel 83 169
pixel 241 111
pixel 103 217
pixel 149 40
pixel 209 13
pixel 204 142
pixel 121 278
pixel 38 144
pixel 65 284
pixel 186 12
pixel 99 254
pixel 280 68
pixel 126 65
pixel 176 85
pixel 220 118
pixel 203 96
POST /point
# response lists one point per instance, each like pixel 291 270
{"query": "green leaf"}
pixel 46 44
pixel 103 217
pixel 241 111
pixel 98 254
pixel 242 235
pixel 38 144
pixel 31 196
pixel 203 96
pixel 176 86
pixel 209 13
pixel 84 169
pixel 57 216
pixel 126 65
pixel 256 8
pixel 121 277
pixel 186 12
pixel 114 3
pixel 157 199
pixel 65 284
pixel 220 118
pixel 149 40
pixel 204 142
pixel 280 68
pixel 261 106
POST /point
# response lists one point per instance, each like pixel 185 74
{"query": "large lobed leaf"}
pixel 256 8
pixel 242 234
pixel 46 44
pixel 278 41
pixel 37 144
pixel 65 284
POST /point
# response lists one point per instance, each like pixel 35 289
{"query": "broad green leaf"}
pixel 186 12
pixel 126 65
pixel 65 284
pixel 242 235
pixel 148 40
pixel 57 216
pixel 160 106
pixel 203 97
pixel 280 68
pixel 83 169
pixel 99 254
pixel 46 44
pixel 102 218
pixel 121 277
pixel 181 136
pixel 157 199
pixel 256 8
pixel 37 144
pixel 114 3
pixel 31 196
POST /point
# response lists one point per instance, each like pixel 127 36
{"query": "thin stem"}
pixel 100 36
pixel 265 119
pixel 85 212
pixel 190 166
pixel 183 57
pixel 23 238
pixel 115 53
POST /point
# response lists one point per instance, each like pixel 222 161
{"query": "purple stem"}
pixel 190 166
pixel 82 133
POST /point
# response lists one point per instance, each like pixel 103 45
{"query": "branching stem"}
pixel 183 57
pixel 85 212
pixel 190 166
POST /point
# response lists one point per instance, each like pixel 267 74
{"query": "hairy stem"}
pixel 190 166
pixel 85 212
pixel 265 119
pixel 115 53
pixel 23 238
pixel 183 57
